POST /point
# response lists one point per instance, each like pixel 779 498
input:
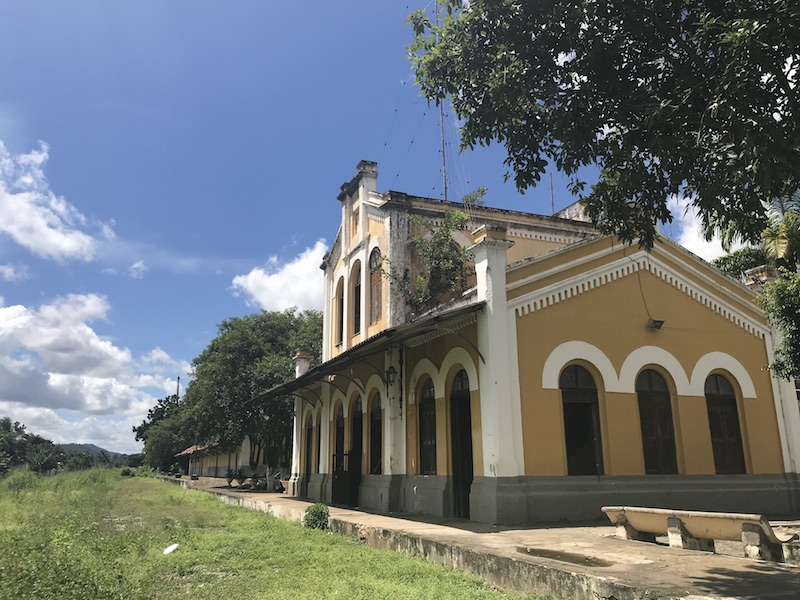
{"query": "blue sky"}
pixel 167 165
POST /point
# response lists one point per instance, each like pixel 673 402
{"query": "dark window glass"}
pixel 655 417
pixel 375 436
pixel 581 422
pixel 340 311
pixel 356 438
pixel 427 430
pixel 461 444
pixel 338 457
pixel 723 422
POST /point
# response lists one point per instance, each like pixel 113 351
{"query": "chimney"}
pixel 302 362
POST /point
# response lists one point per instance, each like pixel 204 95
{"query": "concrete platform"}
pixel 559 561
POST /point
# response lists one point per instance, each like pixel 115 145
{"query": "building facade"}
pixel 576 372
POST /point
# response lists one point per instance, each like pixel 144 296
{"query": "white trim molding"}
pixel 459 356
pixel 579 350
pixel 628 265
pixel 720 360
pixel 645 356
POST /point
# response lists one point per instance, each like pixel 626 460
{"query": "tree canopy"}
pixel 668 97
pixel 20 448
pixel 250 355
pixel 780 297
pixel 781 304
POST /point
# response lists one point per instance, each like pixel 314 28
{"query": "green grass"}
pixel 94 534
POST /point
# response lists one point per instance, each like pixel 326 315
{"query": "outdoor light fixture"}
pixel 655 324
pixel 391 375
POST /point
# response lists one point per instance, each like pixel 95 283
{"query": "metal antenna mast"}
pixel 441 120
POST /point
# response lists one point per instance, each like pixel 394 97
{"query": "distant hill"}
pixel 90 448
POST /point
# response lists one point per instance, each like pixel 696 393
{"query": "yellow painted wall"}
pixel 612 317
pixel 436 351
pixel 524 248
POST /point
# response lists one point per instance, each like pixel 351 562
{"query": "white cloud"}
pixel 688 233
pixel 33 216
pixel 51 359
pixel 13 273
pixel 279 286
pixel 137 269
pixel 109 432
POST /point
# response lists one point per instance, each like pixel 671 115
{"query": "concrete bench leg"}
pixel 626 531
pixel 758 545
pixel 680 538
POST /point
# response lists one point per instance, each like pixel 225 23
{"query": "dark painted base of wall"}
pixel 514 500
pixel 427 495
pixel 383 493
pixel 580 498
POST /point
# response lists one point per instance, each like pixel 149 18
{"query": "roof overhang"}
pixel 429 325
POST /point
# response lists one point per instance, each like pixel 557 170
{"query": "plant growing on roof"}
pixel 441 265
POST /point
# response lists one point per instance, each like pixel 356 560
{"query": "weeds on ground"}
pixel 96 534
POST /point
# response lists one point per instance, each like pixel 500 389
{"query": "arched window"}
pixel 356 438
pixel 355 278
pixel 581 422
pixel 309 453
pixel 375 436
pixel 461 444
pixel 655 417
pixel 338 456
pixel 427 430
pixel 375 286
pixel 339 311
pixel 723 421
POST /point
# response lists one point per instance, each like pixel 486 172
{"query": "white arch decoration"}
pixel 337 397
pixel 423 367
pixel 578 350
pixel 653 355
pixel 458 356
pixel 307 411
pixel 375 384
pixel 724 361
pixel 353 392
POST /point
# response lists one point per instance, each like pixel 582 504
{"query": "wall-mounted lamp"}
pixel 391 375
pixel 655 324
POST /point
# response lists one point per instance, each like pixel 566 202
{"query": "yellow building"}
pixel 577 372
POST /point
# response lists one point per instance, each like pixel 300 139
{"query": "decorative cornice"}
pixel 545 236
pixel 641 261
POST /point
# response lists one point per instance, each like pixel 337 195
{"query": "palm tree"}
pixel 781 238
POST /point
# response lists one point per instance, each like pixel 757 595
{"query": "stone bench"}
pixel 695 530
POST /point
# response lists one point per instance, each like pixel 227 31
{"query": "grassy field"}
pixel 97 535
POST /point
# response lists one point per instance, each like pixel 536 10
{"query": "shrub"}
pixel 240 476
pixel 127 472
pixel 144 471
pixel 316 517
pixel 20 481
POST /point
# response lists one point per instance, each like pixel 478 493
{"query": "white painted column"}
pixel 327 313
pixel 499 375
pixel 302 363
pixel 394 443
pixel 786 411
pixel 346 307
